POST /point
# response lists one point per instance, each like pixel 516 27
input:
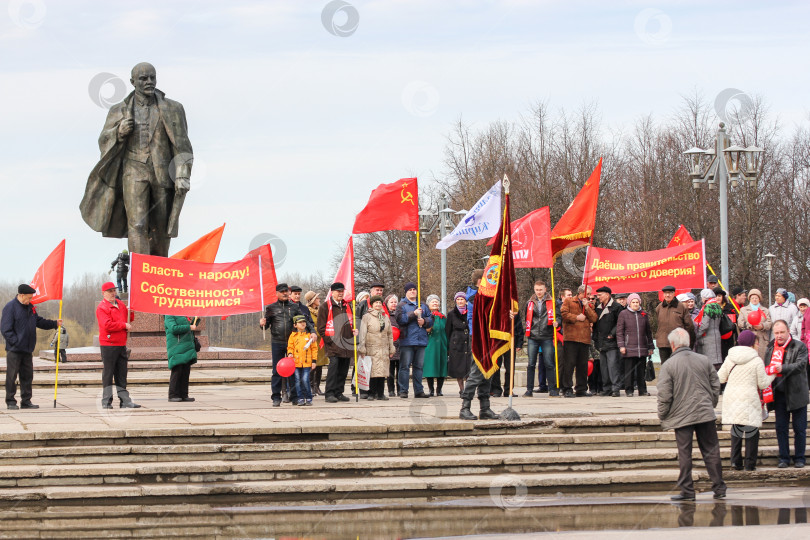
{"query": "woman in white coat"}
pixel 745 373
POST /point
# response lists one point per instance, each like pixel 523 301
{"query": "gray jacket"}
pixel 688 390
pixel 708 339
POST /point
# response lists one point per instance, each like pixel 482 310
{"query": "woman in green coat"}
pixel 435 366
pixel 182 353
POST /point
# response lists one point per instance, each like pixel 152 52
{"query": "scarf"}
pixel 777 358
pixel 463 310
pixel 438 314
pixel 330 323
pixel 530 314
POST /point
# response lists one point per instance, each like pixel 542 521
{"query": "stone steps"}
pixel 227 449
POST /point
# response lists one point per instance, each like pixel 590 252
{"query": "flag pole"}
pixel 512 367
pixel 58 354
pixel 261 292
pixel 554 329
pixel 356 386
pixel 418 274
pixel 733 303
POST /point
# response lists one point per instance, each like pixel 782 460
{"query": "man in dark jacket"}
pixel 414 319
pixel 538 316
pixel 787 358
pixel 604 336
pixel 671 314
pixel 19 327
pixel 688 390
pixel 295 298
pixel 279 316
pixel 335 324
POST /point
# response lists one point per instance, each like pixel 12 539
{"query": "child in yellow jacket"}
pixel 304 350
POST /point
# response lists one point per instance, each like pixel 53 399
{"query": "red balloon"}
pixel 590 367
pixel 755 317
pixel 286 366
pixel 395 333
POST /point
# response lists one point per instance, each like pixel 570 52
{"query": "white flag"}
pixel 482 221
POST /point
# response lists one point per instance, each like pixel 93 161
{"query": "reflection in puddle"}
pixel 228 517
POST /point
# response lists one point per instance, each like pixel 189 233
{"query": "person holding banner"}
pixel 634 338
pixel 787 358
pixel 577 316
pixel 113 326
pixel 181 350
pixel 671 314
pixel 336 325
pixel 279 317
pixel 19 327
pixel 604 336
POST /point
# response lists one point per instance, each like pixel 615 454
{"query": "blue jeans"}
pixel 279 351
pixel 533 349
pixel 411 355
pixel 782 416
pixel 302 387
pixel 548 375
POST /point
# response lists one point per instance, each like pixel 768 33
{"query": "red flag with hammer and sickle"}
pixel 391 207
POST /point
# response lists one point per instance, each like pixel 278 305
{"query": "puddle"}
pixel 509 514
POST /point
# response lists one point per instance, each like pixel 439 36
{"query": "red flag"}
pixel 204 249
pixel 531 240
pixel 391 207
pixel 268 271
pixel 345 273
pixel 680 237
pixel 576 225
pixel 50 276
pixel 496 297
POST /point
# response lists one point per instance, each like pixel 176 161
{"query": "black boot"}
pixel 439 384
pixel 486 413
pixel 466 413
pixel 430 385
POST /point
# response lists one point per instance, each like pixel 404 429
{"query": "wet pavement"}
pixel 752 512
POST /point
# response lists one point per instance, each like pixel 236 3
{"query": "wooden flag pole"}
pixel 418 274
pixel 261 293
pixel 733 303
pixel 356 386
pixel 554 329
pixel 58 354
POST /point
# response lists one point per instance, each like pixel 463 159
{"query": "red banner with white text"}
pixel 177 287
pixel 640 271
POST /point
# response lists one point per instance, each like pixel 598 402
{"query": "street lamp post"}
pixel 769 257
pixel 725 164
pixel 443 220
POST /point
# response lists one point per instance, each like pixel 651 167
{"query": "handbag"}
pixel 649 372
pixel 363 372
pixel 197 344
pixel 726 326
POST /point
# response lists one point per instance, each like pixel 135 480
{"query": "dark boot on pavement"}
pixel 486 413
pixel 466 413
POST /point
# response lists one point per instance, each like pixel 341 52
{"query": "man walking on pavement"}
pixel 688 391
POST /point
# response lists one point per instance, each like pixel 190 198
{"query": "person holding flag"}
pixel 113 325
pixel 493 326
pixel 336 327
pixel 19 327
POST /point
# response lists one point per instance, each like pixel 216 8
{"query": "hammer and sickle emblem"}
pixel 406 197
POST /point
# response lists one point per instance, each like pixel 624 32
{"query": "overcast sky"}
pixel 298 109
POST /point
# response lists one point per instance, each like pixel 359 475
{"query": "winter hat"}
pixel 24 288
pixel 683 297
pixel 431 298
pixel 604 289
pixel 310 297
pixel 375 298
pixel 389 297
pixel 707 294
pixel 804 301
pixel 362 295
pixel 791 298
pixel 632 297
pixel 459 295
pixel 410 285
pixel 755 292
pixel 746 338
pixel 690 296
pixel 783 292
pixel 337 286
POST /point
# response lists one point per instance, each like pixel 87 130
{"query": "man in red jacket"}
pixel 112 337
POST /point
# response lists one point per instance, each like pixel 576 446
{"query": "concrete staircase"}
pixel 323 463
